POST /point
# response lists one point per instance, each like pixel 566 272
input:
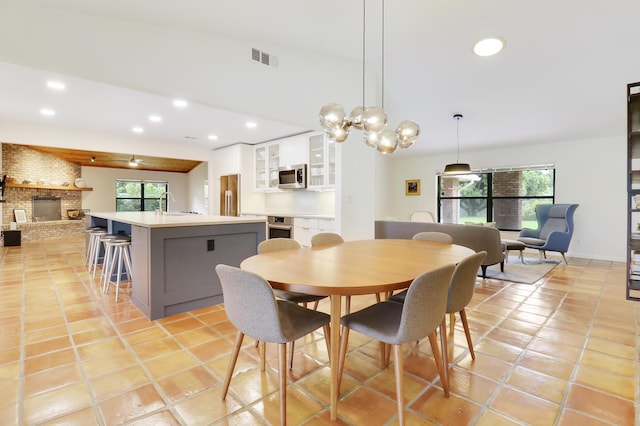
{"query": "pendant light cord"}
pixel 364 26
pixel 382 54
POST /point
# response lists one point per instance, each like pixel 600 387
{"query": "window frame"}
pixel 142 197
pixel 489 197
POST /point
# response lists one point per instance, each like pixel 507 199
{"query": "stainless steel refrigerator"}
pixel 230 195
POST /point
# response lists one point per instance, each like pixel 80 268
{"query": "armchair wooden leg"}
pixel 399 370
pixel 484 271
pixel 232 363
pixel 565 259
pixel 262 348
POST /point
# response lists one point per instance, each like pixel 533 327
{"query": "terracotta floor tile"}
pixel 52 378
pixel 109 385
pixel 496 349
pixel 212 349
pixel 491 418
pixel 164 418
pixel 109 363
pixel 612 364
pixel 49 360
pixel 600 405
pixel 537 384
pixel 183 325
pixel 131 405
pixel 160 347
pixel 100 348
pixel 435 406
pixel 169 364
pixel 197 336
pixel 603 380
pixel 355 407
pixel 612 348
pixel 184 384
pixel 524 407
pixel 48 405
pixel 299 407
pixel 472 386
pixel 571 418
pixel 145 336
pixel 546 364
pixel 318 385
pixel 208 407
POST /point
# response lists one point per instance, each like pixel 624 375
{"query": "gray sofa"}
pixel 477 238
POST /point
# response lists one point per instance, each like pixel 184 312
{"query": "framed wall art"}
pixel 412 187
pixel 21 215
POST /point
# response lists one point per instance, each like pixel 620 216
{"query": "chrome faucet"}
pixel 159 211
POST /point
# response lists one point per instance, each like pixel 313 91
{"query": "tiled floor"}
pixel 560 352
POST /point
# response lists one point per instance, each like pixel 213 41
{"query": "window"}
pixel 136 195
pixel 507 197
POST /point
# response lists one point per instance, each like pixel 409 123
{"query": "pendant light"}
pixel 371 120
pixel 457 167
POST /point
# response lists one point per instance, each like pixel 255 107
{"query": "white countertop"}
pixel 300 215
pixel 152 220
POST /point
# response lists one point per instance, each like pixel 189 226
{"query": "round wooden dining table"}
pixel 352 268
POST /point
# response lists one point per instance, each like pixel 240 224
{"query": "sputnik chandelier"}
pixel 372 120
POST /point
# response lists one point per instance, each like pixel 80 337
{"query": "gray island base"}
pixel 174 256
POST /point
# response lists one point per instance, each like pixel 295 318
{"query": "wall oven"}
pixel 279 227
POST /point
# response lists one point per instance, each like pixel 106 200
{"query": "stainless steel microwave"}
pixel 292 177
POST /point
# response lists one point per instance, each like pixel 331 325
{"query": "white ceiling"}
pixel 562 75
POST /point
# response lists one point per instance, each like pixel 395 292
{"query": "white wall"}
pixel 195 191
pixel 103 182
pixel 591 173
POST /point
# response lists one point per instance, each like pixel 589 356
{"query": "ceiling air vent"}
pixel 264 57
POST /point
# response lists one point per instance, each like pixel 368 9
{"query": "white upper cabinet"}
pixel 321 162
pixel 293 150
pixel 266 164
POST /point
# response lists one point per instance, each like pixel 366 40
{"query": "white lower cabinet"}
pixel 304 228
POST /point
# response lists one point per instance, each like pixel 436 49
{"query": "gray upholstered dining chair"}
pixel 394 323
pixel 277 244
pixel 421 216
pixel 463 285
pixel 253 309
pixel 326 238
pixel 433 236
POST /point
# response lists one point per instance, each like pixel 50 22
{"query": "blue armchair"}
pixel 555 228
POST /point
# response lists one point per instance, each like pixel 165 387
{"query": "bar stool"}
pixel 122 256
pixel 108 257
pixel 88 248
pixel 94 249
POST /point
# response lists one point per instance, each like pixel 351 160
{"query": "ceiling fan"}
pixel 134 162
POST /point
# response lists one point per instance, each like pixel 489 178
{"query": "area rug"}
pixel 515 271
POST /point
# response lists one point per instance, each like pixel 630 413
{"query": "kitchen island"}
pixel 174 255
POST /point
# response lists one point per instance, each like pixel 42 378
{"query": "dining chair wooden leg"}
pixel 232 363
pixel 262 348
pixel 282 376
pixel 467 333
pixel 291 349
pixel 436 354
pixel 445 346
pixel 315 305
pixel 399 369
pixel 344 341
pixel 327 339
pixel 378 297
pixel 383 355
pixel 452 322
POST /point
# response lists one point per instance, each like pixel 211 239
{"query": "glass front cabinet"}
pixel 267 162
pixel 633 191
pixel 321 171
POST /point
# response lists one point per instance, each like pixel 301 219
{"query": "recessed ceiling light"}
pixel 180 103
pixel 56 85
pixel 488 46
pixel 47 112
pixel 137 130
pixel 251 124
pixel 212 137
pixel 155 118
